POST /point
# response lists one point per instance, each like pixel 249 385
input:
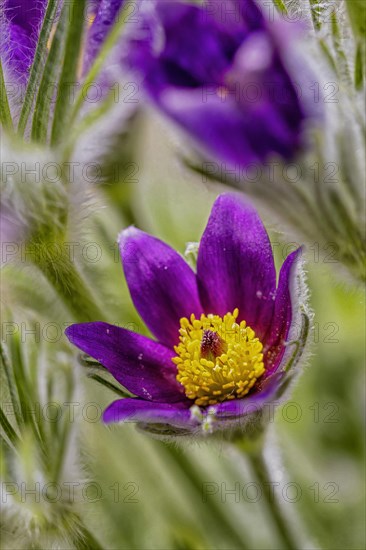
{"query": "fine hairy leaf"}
pixel 38 63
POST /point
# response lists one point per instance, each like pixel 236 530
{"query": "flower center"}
pixel 217 358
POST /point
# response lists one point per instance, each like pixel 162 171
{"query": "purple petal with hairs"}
pixel 20 23
pixel 138 410
pixel 252 403
pixel 105 16
pixel 283 315
pixel 141 365
pixel 235 267
pixel 162 285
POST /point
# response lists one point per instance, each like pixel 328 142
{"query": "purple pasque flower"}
pixel 221 333
pixel 220 72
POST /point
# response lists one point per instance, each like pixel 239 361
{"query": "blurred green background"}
pixel 150 495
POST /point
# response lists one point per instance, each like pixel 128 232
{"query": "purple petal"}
pixel 138 410
pixel 141 365
pixel 252 403
pixel 106 16
pixel 18 50
pixel 25 13
pixel 241 131
pixel 162 285
pixel 250 13
pixel 221 63
pixel 20 23
pixel 172 57
pixel 225 137
pixel 283 315
pixel 235 267
pixel 205 56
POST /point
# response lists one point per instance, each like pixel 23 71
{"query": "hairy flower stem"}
pixel 261 472
pixel 84 540
pixel 214 509
pixel 72 289
pixel 254 452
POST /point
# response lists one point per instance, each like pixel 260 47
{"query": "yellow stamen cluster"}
pixel 217 358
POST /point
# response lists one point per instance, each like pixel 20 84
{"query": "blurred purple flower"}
pixel 12 231
pixel 206 362
pixel 220 72
pixel 106 12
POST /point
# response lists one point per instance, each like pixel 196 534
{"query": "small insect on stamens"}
pixel 212 345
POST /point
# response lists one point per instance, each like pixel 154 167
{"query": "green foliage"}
pixel 37 66
pixel 5 115
pixel 357 14
pixel 71 60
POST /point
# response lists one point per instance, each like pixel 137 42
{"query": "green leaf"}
pixel 51 72
pixel 67 281
pixel 21 379
pixel 281 6
pixel 69 70
pixel 316 11
pixel 357 14
pixel 38 63
pixel 8 429
pixel 338 43
pixel 85 124
pixel 5 114
pixel 360 62
pixel 109 385
pixel 11 384
pixel 325 49
pixel 108 45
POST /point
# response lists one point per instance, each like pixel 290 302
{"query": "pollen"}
pixel 218 359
